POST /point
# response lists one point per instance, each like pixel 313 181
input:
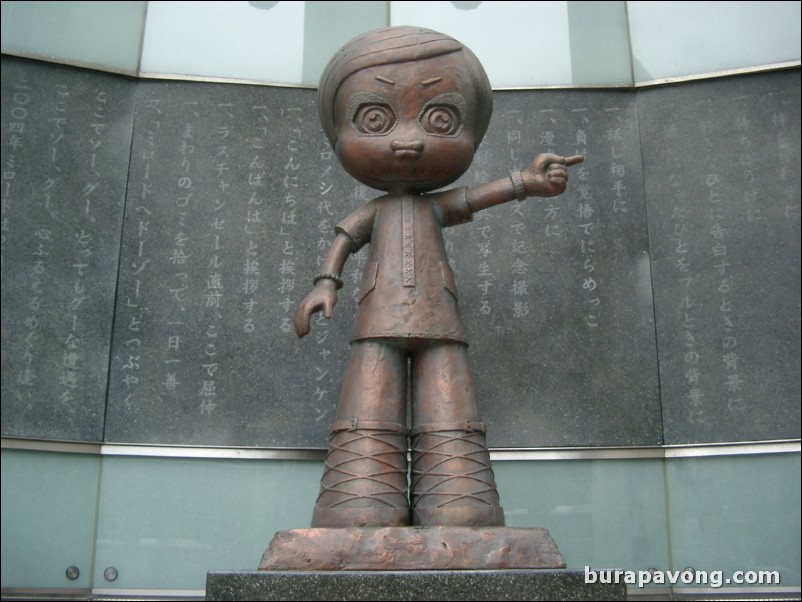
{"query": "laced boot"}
pixel 365 477
pixel 452 480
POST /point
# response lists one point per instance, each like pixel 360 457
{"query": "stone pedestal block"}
pixel 408 585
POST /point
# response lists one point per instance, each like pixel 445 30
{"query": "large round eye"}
pixel 440 120
pixel 374 119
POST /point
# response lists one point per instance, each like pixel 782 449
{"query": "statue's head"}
pixel 405 108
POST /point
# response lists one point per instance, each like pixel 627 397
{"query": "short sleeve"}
pixel 451 207
pixel 359 225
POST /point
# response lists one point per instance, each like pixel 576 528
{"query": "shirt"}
pixel 408 288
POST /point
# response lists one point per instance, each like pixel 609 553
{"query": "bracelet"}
pixel 337 280
pixel 518 185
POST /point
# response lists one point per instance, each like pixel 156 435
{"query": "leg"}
pixel 365 478
pixel 452 481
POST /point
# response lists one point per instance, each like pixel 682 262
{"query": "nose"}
pixel 407 148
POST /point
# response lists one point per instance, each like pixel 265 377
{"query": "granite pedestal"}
pixel 408 585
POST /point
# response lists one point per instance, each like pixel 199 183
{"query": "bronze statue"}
pixel 405 109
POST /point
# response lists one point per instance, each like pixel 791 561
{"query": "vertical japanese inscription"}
pixel 519 234
pixel 15 120
pixel 204 351
pixel 215 300
pixel 178 261
pixel 322 229
pixel 253 226
pixel 479 269
pixel 291 182
pixel 554 291
pixel 725 240
pixel 586 212
pixel 66 138
pixel 140 204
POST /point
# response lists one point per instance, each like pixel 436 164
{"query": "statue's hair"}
pixel 398 45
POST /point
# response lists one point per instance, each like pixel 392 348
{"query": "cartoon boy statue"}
pixel 405 109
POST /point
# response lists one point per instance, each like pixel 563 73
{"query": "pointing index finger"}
pixel 574 160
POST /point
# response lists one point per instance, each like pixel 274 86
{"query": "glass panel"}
pixel 603 514
pixel 287 42
pixel 268 44
pixel 599 43
pixel 671 39
pixel 329 25
pixel 163 523
pixel 518 43
pixel 737 513
pixel 48 518
pixel 100 33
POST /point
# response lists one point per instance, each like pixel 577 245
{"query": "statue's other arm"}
pixel 324 295
pixel 352 234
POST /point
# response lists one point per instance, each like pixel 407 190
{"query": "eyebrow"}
pixel 386 80
pixel 431 80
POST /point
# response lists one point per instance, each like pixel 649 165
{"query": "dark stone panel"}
pixel 232 202
pixel 408 585
pixel 562 339
pixel 721 160
pixel 232 198
pixel 66 142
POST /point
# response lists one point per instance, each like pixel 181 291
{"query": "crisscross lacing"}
pixel 359 456
pixel 434 457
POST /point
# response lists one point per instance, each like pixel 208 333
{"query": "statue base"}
pixel 411 549
pixel 410 563
pixel 408 585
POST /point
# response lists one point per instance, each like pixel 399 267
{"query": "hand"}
pixel 323 297
pixel 547 175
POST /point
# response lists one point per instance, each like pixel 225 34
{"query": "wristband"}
pixel 337 280
pixel 518 185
